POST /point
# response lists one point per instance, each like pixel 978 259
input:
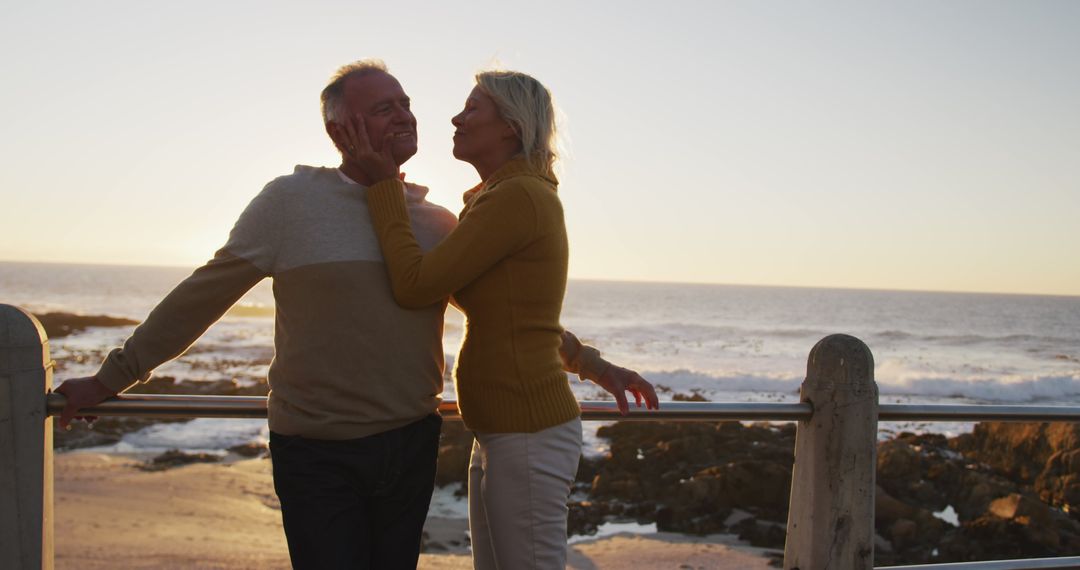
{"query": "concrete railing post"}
pixel 831 513
pixel 26 460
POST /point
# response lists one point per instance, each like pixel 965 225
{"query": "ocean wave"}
pixel 250 310
pixel 664 330
pixel 201 434
pixel 968 339
pixel 1064 388
pixel 688 380
pixel 691 332
pixel 894 335
pixel 996 390
pixel 235 352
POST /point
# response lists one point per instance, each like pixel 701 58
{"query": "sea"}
pixel 724 343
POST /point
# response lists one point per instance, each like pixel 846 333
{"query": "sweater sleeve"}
pixel 580 358
pixel 498 223
pixel 180 319
pixel 198 301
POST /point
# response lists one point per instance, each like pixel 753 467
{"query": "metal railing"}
pixel 1025 564
pixel 183 406
pixel 830 519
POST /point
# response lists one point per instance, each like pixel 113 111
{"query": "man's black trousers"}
pixel 357 503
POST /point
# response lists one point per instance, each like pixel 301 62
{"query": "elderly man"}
pixel 356 380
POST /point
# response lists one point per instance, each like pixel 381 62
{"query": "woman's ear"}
pixel 509 132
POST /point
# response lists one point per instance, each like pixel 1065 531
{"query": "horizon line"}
pixel 642 281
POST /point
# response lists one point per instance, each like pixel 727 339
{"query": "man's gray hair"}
pixel 526 104
pixel 333 95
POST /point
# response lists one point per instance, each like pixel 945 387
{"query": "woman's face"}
pixel 480 131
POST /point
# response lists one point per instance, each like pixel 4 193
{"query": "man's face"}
pixel 379 98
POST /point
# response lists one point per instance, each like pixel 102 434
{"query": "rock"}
pixel 251 449
pixel 1017 506
pixel 587 470
pixel 887 509
pixel 694 397
pixel 902 533
pixel 764 535
pixel 987 478
pixel 977 488
pixel 1020 451
pixel 429 545
pixel 910 468
pixel 455 449
pixel 103 431
pixel 63 324
pixel 1044 455
pixel 881 545
pixel 1042 524
pixel 992 538
pixel 1059 482
pixel 177 458
pixel 584 518
pixel 688 477
pixel 761 486
pixel 898 460
pixel 926 471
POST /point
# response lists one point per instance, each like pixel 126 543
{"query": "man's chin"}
pixel 403 152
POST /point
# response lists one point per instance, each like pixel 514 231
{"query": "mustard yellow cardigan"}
pixel 505 266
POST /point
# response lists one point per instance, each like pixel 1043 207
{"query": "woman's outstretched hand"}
pixel 377 165
pixel 619 381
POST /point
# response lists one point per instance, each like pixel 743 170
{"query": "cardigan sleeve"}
pixel 498 223
pixel 580 358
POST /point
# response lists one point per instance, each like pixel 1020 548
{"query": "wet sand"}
pixel 111 514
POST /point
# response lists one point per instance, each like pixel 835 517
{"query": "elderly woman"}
pixel 505 267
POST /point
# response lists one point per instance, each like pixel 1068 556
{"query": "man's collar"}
pixel 413 192
pixel 346 179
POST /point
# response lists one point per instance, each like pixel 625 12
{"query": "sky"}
pixel 889 145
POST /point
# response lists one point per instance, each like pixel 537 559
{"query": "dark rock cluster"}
pixel 63 324
pixel 693 477
pixel 177 458
pixel 986 478
pixel 109 430
pixel 1011 488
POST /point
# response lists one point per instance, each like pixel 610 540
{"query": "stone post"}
pixel 831 513
pixel 26 460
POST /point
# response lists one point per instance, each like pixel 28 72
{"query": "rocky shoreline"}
pixel 1003 491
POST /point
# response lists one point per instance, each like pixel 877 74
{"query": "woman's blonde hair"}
pixel 526 104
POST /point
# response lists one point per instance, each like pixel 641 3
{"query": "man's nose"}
pixel 402 115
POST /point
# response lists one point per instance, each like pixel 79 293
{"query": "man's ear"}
pixel 334 130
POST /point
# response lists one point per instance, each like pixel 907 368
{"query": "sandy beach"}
pixel 112 514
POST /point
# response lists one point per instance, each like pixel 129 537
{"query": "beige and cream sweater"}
pixel 349 361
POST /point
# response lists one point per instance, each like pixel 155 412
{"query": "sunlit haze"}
pixel 903 145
